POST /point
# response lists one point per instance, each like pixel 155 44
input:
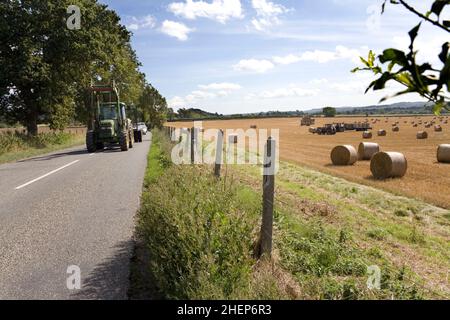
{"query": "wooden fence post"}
pixel 193 131
pixel 219 154
pixel 268 199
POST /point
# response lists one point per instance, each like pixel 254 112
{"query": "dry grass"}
pixel 426 179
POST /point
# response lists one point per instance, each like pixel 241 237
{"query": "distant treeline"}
pixel 200 115
pixel 396 109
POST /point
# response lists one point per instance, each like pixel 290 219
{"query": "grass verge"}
pixel 16 146
pixel 196 236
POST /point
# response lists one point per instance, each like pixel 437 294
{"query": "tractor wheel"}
pixel 124 141
pixel 130 140
pixel 90 142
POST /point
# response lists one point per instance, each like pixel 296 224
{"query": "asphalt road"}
pixel 69 208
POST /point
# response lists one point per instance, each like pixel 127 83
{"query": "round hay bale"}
pixel 422 135
pixel 312 130
pixel 443 153
pixel 344 155
pixel 396 129
pixel 366 150
pixel 438 128
pixel 367 135
pixel 386 165
pixel 382 133
pixel 415 125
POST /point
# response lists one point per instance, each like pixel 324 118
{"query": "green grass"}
pixel 200 232
pixel 382 228
pixel 16 146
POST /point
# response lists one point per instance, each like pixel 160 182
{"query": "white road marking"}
pixel 46 175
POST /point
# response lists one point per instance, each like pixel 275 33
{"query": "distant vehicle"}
pixel 142 127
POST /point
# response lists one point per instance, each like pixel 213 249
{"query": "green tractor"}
pixel 109 123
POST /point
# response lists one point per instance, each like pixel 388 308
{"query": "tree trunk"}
pixel 31 123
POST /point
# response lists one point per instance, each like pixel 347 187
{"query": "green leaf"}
pixel 413 35
pixel 405 79
pixel 443 56
pixel 445 74
pixel 438 107
pixel 394 55
pixel 438 5
pixel 381 82
pixel 397 94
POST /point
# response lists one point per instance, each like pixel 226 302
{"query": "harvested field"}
pixel 426 178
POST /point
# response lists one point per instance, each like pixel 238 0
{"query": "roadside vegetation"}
pixel 198 233
pixel 15 146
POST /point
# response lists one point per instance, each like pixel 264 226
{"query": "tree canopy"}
pixel 45 67
pixel 329 112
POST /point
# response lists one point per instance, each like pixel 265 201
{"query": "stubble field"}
pixel 425 179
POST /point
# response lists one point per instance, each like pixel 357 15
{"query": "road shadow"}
pixel 125 275
pixel 108 280
pixel 54 156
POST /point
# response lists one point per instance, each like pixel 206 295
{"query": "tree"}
pixel 153 107
pixel 431 82
pixel 45 68
pixel 329 112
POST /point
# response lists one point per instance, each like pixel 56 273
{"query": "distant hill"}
pixel 196 114
pixel 395 108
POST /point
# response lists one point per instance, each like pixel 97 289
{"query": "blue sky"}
pixel 242 56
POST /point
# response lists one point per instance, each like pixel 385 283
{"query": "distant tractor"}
pixel 328 129
pixel 340 127
pixel 362 126
pixel 308 121
pixel 108 121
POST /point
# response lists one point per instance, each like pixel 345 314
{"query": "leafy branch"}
pixel 402 67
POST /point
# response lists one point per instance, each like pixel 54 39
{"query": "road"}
pixel 69 208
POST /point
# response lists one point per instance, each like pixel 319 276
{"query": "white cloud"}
pixel 219 10
pixel 176 102
pixel 199 95
pixel 318 81
pixel 209 91
pixel 322 56
pixel 224 86
pixel 428 48
pixel 350 86
pixel 289 59
pixel 267 13
pixel 176 29
pixel 285 93
pixel 147 22
pixel 133 26
pixel 253 65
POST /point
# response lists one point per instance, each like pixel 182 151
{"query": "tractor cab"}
pixel 109 123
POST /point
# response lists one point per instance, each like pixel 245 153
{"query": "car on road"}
pixel 142 127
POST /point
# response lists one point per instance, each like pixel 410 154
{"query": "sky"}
pixel 245 56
